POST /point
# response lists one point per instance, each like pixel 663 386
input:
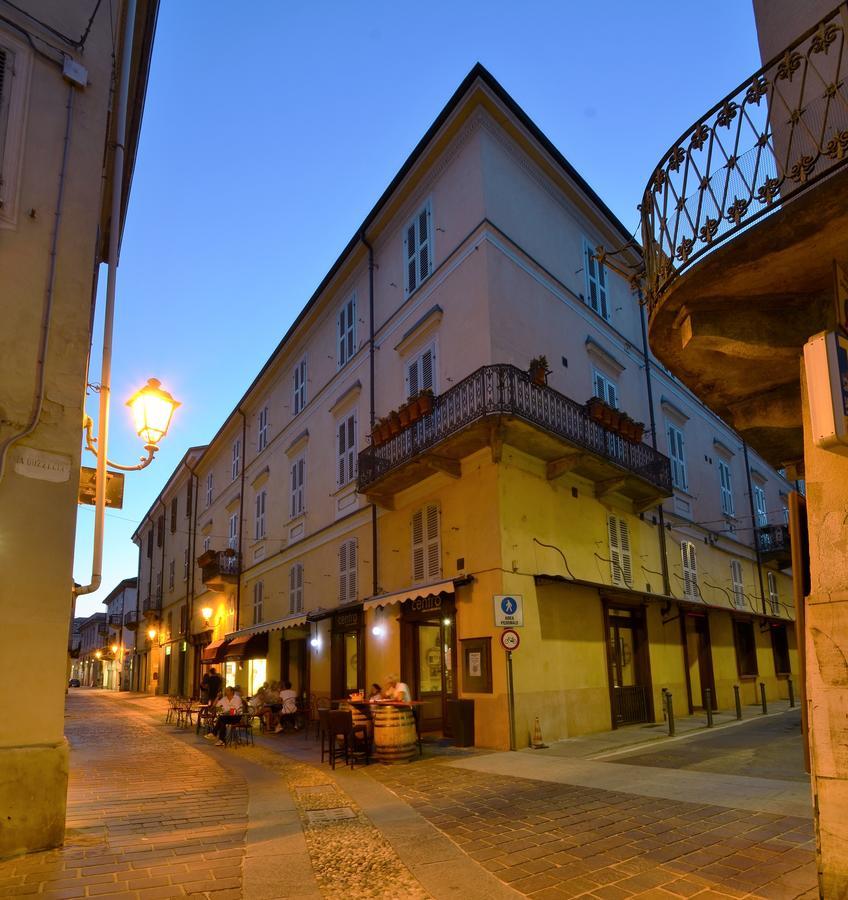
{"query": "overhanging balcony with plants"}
pixel 219 568
pixel 774 545
pixel 742 221
pixel 498 405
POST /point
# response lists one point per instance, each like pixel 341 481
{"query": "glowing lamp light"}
pixel 315 642
pixel 206 612
pixel 151 633
pixel 114 648
pixel 446 621
pixel 378 631
pixel 152 409
pixel 98 654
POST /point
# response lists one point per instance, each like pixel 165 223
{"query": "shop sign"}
pixel 425 604
pixel 346 620
pixel 509 610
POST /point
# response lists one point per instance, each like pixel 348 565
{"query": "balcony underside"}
pixel 732 328
pixel 495 430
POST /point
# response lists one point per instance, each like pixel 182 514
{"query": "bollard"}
pixel 738 701
pixel 763 697
pixel 791 688
pixel 670 712
pixel 708 704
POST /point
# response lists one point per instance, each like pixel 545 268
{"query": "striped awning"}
pixel 214 652
pixel 411 593
pixel 294 621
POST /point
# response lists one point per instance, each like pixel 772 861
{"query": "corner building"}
pixel 332 552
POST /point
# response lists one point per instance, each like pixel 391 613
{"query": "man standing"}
pixel 212 682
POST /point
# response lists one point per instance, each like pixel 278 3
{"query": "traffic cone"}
pixel 538 743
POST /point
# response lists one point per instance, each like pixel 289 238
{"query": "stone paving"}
pixel 551 840
pixel 148 816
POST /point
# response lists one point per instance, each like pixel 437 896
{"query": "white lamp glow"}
pixel 152 409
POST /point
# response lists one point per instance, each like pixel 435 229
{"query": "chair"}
pixel 205 719
pixel 241 732
pixel 316 704
pixel 172 715
pixel 345 739
pixel 416 715
pixel 323 728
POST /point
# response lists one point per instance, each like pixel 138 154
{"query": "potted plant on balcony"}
pixel 394 423
pixel 403 414
pixel 539 370
pixel 625 427
pixel 425 401
pixel 377 433
pixel 595 408
pixel 638 431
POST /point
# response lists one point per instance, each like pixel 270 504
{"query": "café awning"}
pixel 411 593
pixel 294 621
pixel 247 646
pixel 214 652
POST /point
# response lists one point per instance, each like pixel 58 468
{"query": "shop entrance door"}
pixel 294 668
pixel 699 653
pixel 165 683
pixel 630 686
pixel 433 672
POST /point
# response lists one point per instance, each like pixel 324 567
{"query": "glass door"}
pixel 434 676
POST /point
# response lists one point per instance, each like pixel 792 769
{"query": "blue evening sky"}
pixel 272 127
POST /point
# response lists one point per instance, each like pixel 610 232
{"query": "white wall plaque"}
pixel 40 464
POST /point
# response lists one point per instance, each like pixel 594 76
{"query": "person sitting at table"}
pixel 288 712
pixel 230 708
pixel 376 693
pixel 396 690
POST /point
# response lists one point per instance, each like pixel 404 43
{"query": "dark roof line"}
pixel 478 71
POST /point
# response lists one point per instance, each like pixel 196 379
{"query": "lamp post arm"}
pixel 90 444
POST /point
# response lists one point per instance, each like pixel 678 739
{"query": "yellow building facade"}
pixel 341 533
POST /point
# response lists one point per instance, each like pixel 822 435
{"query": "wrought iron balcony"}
pixel 152 603
pixel 773 541
pixel 782 131
pixel 499 405
pixel 132 618
pixel 115 619
pixel 103 629
pixel 219 568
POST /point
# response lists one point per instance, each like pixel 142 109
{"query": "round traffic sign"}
pixel 510 639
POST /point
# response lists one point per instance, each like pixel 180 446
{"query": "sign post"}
pixel 510 641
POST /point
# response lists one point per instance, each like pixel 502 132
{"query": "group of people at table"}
pixel 274 703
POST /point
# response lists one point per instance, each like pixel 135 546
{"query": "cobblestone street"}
pixel 155 812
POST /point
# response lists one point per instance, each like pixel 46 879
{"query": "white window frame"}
pixel 605 387
pixel 346 458
pixel 425 532
pixel 348 582
pixel 13 126
pixel 210 484
pixel 299 387
pixel 596 276
pixel 725 481
pixel 737 584
pixel 236 466
pixel 774 593
pixel 415 373
pixel 262 429
pixel 621 560
pixel 232 531
pixel 760 510
pixel 258 601
pixel 689 562
pixel 420 254
pixel 296 588
pixel 297 486
pixel 346 332
pixel 259 516
pixel 677 455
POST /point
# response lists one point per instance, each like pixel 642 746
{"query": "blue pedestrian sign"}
pixel 509 610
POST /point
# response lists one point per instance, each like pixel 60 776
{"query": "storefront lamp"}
pixel 98 654
pixel 114 648
pixel 446 621
pixel 206 612
pixel 315 642
pixel 151 633
pixel 378 631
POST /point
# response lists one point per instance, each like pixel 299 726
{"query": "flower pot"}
pixel 394 423
pixel 385 430
pixel 595 408
pixel 414 410
pixel 638 431
pixel 538 375
pixel 625 427
pixel 614 419
pixel 425 402
pixel 376 435
pixel 403 415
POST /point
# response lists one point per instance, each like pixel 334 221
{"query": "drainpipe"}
pixel 109 315
pixel 660 514
pixel 375 581
pixel 754 523
pixel 192 539
pixel 241 515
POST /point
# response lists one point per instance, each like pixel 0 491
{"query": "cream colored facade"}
pixel 55 162
pixel 506 501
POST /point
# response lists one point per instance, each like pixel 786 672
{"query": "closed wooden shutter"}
pixel 418 569
pixel 420 372
pixel 690 570
pixel 621 566
pixel 296 588
pixel 426 544
pixel 5 91
pixel 417 252
pixel 736 581
pixel 347 571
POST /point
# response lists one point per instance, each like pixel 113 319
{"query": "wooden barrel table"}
pixel 395 739
pixel 359 714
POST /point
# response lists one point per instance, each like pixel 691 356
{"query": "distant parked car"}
pixel 74 682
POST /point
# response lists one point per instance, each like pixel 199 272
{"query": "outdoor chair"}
pixel 316 704
pixel 345 739
pixel 171 716
pixel 205 719
pixel 240 732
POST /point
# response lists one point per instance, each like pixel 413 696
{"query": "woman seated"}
pixel 376 693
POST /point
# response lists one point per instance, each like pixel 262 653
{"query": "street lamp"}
pixel 206 612
pixel 98 654
pixel 152 410
pixel 114 648
pixel 151 633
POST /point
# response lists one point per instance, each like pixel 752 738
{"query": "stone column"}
pixel 826 475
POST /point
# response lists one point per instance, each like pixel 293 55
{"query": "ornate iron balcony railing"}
pixel 773 538
pixel 131 618
pixel 506 390
pixel 152 603
pixel 780 132
pixel 115 618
